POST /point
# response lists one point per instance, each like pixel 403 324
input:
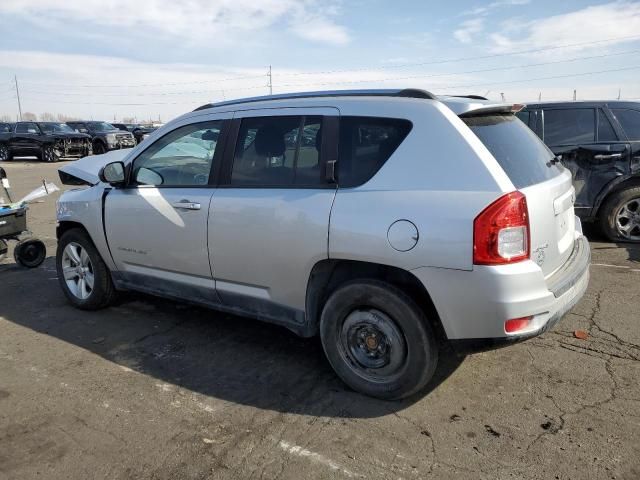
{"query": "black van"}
pixel 599 141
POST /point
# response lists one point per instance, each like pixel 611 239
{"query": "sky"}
pixel 112 59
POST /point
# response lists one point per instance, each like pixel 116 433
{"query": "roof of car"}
pixel 460 104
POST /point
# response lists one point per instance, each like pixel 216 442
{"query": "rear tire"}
pixel 83 275
pixel 620 216
pixel 378 340
pixel 5 153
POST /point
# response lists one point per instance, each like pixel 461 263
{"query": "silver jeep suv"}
pixel 386 221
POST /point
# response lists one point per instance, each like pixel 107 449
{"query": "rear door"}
pixel 546 185
pixel 588 145
pixel 270 215
pixel 157 226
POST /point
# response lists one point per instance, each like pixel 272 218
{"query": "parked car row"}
pixel 52 141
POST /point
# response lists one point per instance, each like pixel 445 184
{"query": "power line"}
pixel 461 59
pixel 199 82
pixel 345 82
pixel 431 75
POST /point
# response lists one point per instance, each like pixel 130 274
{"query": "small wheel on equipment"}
pixel 30 253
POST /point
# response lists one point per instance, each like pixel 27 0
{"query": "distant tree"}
pixel 61 117
pixel 128 120
pixel 5 118
pixel 47 117
pixel 29 117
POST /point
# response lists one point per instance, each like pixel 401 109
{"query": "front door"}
pixel 157 226
pixel 26 140
pixel 269 220
pixel 589 147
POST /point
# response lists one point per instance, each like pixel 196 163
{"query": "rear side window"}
pixel 366 143
pixel 520 153
pixel 278 151
pixel 569 127
pixel 605 130
pixel 630 121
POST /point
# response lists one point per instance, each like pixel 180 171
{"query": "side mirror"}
pixel 113 174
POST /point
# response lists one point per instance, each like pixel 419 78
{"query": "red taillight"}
pixel 516 324
pixel 501 231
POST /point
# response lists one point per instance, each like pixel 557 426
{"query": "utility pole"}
pixel 574 95
pixel 540 96
pixel 619 93
pixel 502 96
pixel 15 78
pixel 270 81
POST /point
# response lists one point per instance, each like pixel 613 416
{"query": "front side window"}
pixel 27 127
pixel 630 121
pixel 569 127
pixel 366 143
pixel 183 157
pixel 278 151
pixel 5 128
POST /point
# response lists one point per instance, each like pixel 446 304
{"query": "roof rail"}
pixel 407 92
pixel 472 97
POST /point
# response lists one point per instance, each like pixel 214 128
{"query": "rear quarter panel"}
pixel 439 178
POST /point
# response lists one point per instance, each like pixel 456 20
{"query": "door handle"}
pixel 186 205
pixel 609 156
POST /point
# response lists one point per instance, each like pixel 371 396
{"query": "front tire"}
pixel 83 275
pixel 49 154
pixel 378 340
pixel 620 216
pixel 98 148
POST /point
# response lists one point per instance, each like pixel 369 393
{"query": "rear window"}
pixel 366 143
pixel 520 153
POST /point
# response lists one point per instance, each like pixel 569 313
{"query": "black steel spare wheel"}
pixel 378 340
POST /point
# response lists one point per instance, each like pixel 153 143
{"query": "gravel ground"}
pixel 150 389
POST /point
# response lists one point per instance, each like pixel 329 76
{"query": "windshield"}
pixel 56 128
pixel 101 127
pixel 520 153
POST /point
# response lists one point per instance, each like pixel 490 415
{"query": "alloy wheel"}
pixel 78 271
pixel 628 220
pixel 4 153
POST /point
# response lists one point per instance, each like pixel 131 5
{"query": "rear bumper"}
pixel 473 305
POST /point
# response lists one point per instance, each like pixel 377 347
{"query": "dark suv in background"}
pixel 49 141
pixel 600 143
pixel 105 136
pixel 140 132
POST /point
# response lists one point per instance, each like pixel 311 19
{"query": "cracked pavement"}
pixel 156 390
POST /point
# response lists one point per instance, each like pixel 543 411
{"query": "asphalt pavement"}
pixel 151 389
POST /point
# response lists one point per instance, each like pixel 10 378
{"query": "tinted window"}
pixel 182 157
pixel 569 127
pixel 520 153
pixel 605 130
pixel 278 151
pixel 524 116
pixel 630 121
pixel 5 127
pixel 27 128
pixel 366 143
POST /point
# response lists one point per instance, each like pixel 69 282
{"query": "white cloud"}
pixel 493 5
pixel 468 29
pixel 192 19
pixel 601 22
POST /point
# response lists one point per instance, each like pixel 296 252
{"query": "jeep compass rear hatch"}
pixel 533 170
